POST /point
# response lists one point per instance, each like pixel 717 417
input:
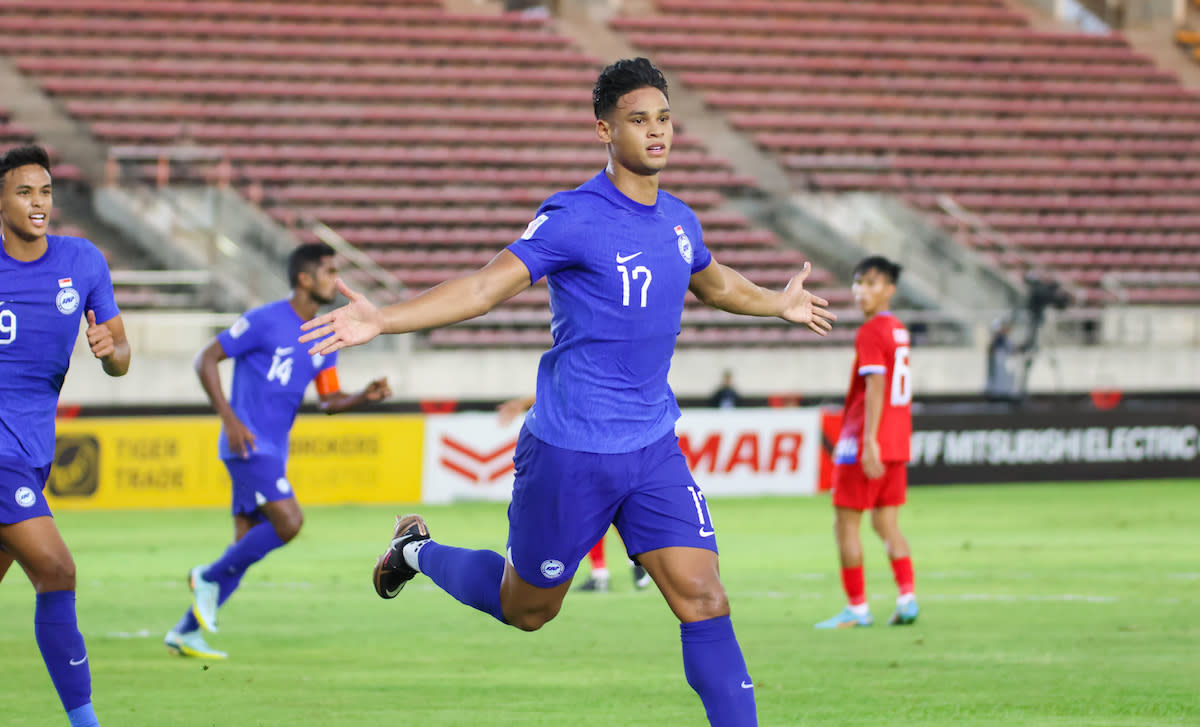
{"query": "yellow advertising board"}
pixel 162 462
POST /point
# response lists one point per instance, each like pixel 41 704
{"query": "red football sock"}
pixel 596 554
pixel 903 570
pixel 855 585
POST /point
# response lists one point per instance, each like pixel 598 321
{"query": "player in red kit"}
pixel 871 458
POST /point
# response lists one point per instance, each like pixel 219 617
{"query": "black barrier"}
pixel 1022 446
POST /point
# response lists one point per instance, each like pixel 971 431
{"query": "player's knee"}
pixel 704 601
pixel 288 527
pixel 56 575
pixel 881 529
pixel 532 619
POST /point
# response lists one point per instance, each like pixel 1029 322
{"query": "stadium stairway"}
pixel 73 215
pixel 406 129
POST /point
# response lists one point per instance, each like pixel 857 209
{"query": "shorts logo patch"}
pixel 67 301
pixel 259 499
pixel 685 245
pixel 282 485
pixel 552 569
pixel 26 497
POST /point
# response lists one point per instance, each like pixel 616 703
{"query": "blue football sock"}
pixel 83 716
pixel 713 664
pixel 63 649
pixel 253 547
pixel 228 584
pixel 471 576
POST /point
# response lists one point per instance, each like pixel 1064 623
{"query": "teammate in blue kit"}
pixel 271 373
pixel 47 284
pixel 598 447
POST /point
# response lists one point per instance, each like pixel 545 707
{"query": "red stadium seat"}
pixel 1074 146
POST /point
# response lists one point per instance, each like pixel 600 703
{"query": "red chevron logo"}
pixel 478 467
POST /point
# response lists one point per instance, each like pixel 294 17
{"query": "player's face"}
pixel 872 291
pixel 639 131
pixel 324 285
pixel 25 202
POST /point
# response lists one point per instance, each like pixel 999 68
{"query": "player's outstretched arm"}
pixel 109 344
pixel 336 402
pixel 723 287
pixel 455 300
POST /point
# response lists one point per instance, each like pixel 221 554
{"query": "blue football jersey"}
pixel 41 304
pixel 271 371
pixel 617 271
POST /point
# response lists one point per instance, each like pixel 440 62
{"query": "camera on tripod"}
pixel 1043 294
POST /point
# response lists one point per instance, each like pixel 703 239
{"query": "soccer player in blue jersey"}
pixel 47 284
pixel 270 375
pixel 598 447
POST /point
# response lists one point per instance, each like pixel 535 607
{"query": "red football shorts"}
pixel 853 490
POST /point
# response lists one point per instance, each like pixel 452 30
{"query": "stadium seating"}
pixel 425 138
pixel 1073 149
pixel 129 297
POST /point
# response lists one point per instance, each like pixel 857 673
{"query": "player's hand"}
pixel 100 339
pixel 872 461
pixel 377 390
pixel 351 325
pixel 509 410
pixel 241 439
pixel 801 306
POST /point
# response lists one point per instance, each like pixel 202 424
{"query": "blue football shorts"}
pixel 21 496
pixel 257 481
pixel 564 501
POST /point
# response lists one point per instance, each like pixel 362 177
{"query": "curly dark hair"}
pixel 20 156
pixel 618 79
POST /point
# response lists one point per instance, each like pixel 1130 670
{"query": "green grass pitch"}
pixel 1041 605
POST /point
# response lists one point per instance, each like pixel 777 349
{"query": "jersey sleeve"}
pixel 550 242
pixel 100 299
pixel 870 347
pixel 243 335
pixel 701 257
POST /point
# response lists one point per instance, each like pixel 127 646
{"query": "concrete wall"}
pixel 164 346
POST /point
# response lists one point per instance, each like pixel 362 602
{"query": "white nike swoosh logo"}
pixel 747 685
pixel 284 351
pixel 72 662
pixel 626 258
pixel 707 533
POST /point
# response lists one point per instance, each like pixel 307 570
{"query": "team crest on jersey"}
pixel 685 245
pixel 552 568
pixel 25 497
pixel 67 299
